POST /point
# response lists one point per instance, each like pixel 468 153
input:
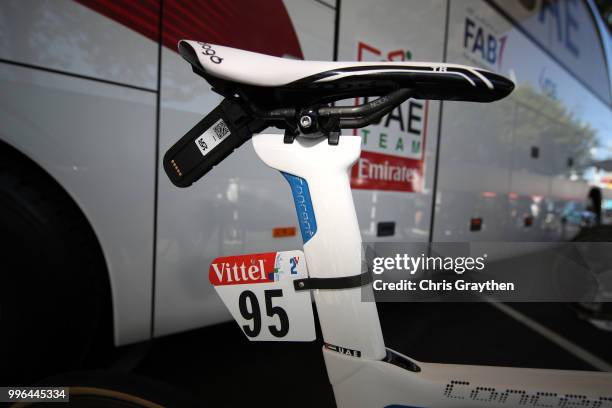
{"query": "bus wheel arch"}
pixel 57 305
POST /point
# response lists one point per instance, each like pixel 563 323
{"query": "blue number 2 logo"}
pixel 293 262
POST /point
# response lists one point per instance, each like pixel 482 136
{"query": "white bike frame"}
pixel 362 371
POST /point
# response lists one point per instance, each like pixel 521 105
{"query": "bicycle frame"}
pixel 362 371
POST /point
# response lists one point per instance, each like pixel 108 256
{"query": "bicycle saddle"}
pixel 280 81
pixel 262 91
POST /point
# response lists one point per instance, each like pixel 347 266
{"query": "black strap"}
pixel 345 282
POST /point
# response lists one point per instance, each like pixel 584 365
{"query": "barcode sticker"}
pixel 212 137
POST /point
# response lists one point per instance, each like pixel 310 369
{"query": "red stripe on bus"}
pixel 122 12
pixel 254 25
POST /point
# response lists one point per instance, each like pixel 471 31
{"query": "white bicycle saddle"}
pixel 299 82
pixel 261 91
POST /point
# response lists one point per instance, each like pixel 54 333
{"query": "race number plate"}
pixel 258 291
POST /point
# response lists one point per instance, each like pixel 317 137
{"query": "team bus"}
pixel 93 92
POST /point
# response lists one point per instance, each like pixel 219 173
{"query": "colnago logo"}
pixel 210 52
pixel 516 397
pixel 243 269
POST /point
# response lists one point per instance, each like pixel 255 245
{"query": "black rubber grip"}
pixel 209 142
pixel 344 282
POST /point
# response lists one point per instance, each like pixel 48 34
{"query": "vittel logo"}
pixel 243 269
pixel 210 52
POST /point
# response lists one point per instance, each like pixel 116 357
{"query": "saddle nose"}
pixel 280 82
pixel 502 86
